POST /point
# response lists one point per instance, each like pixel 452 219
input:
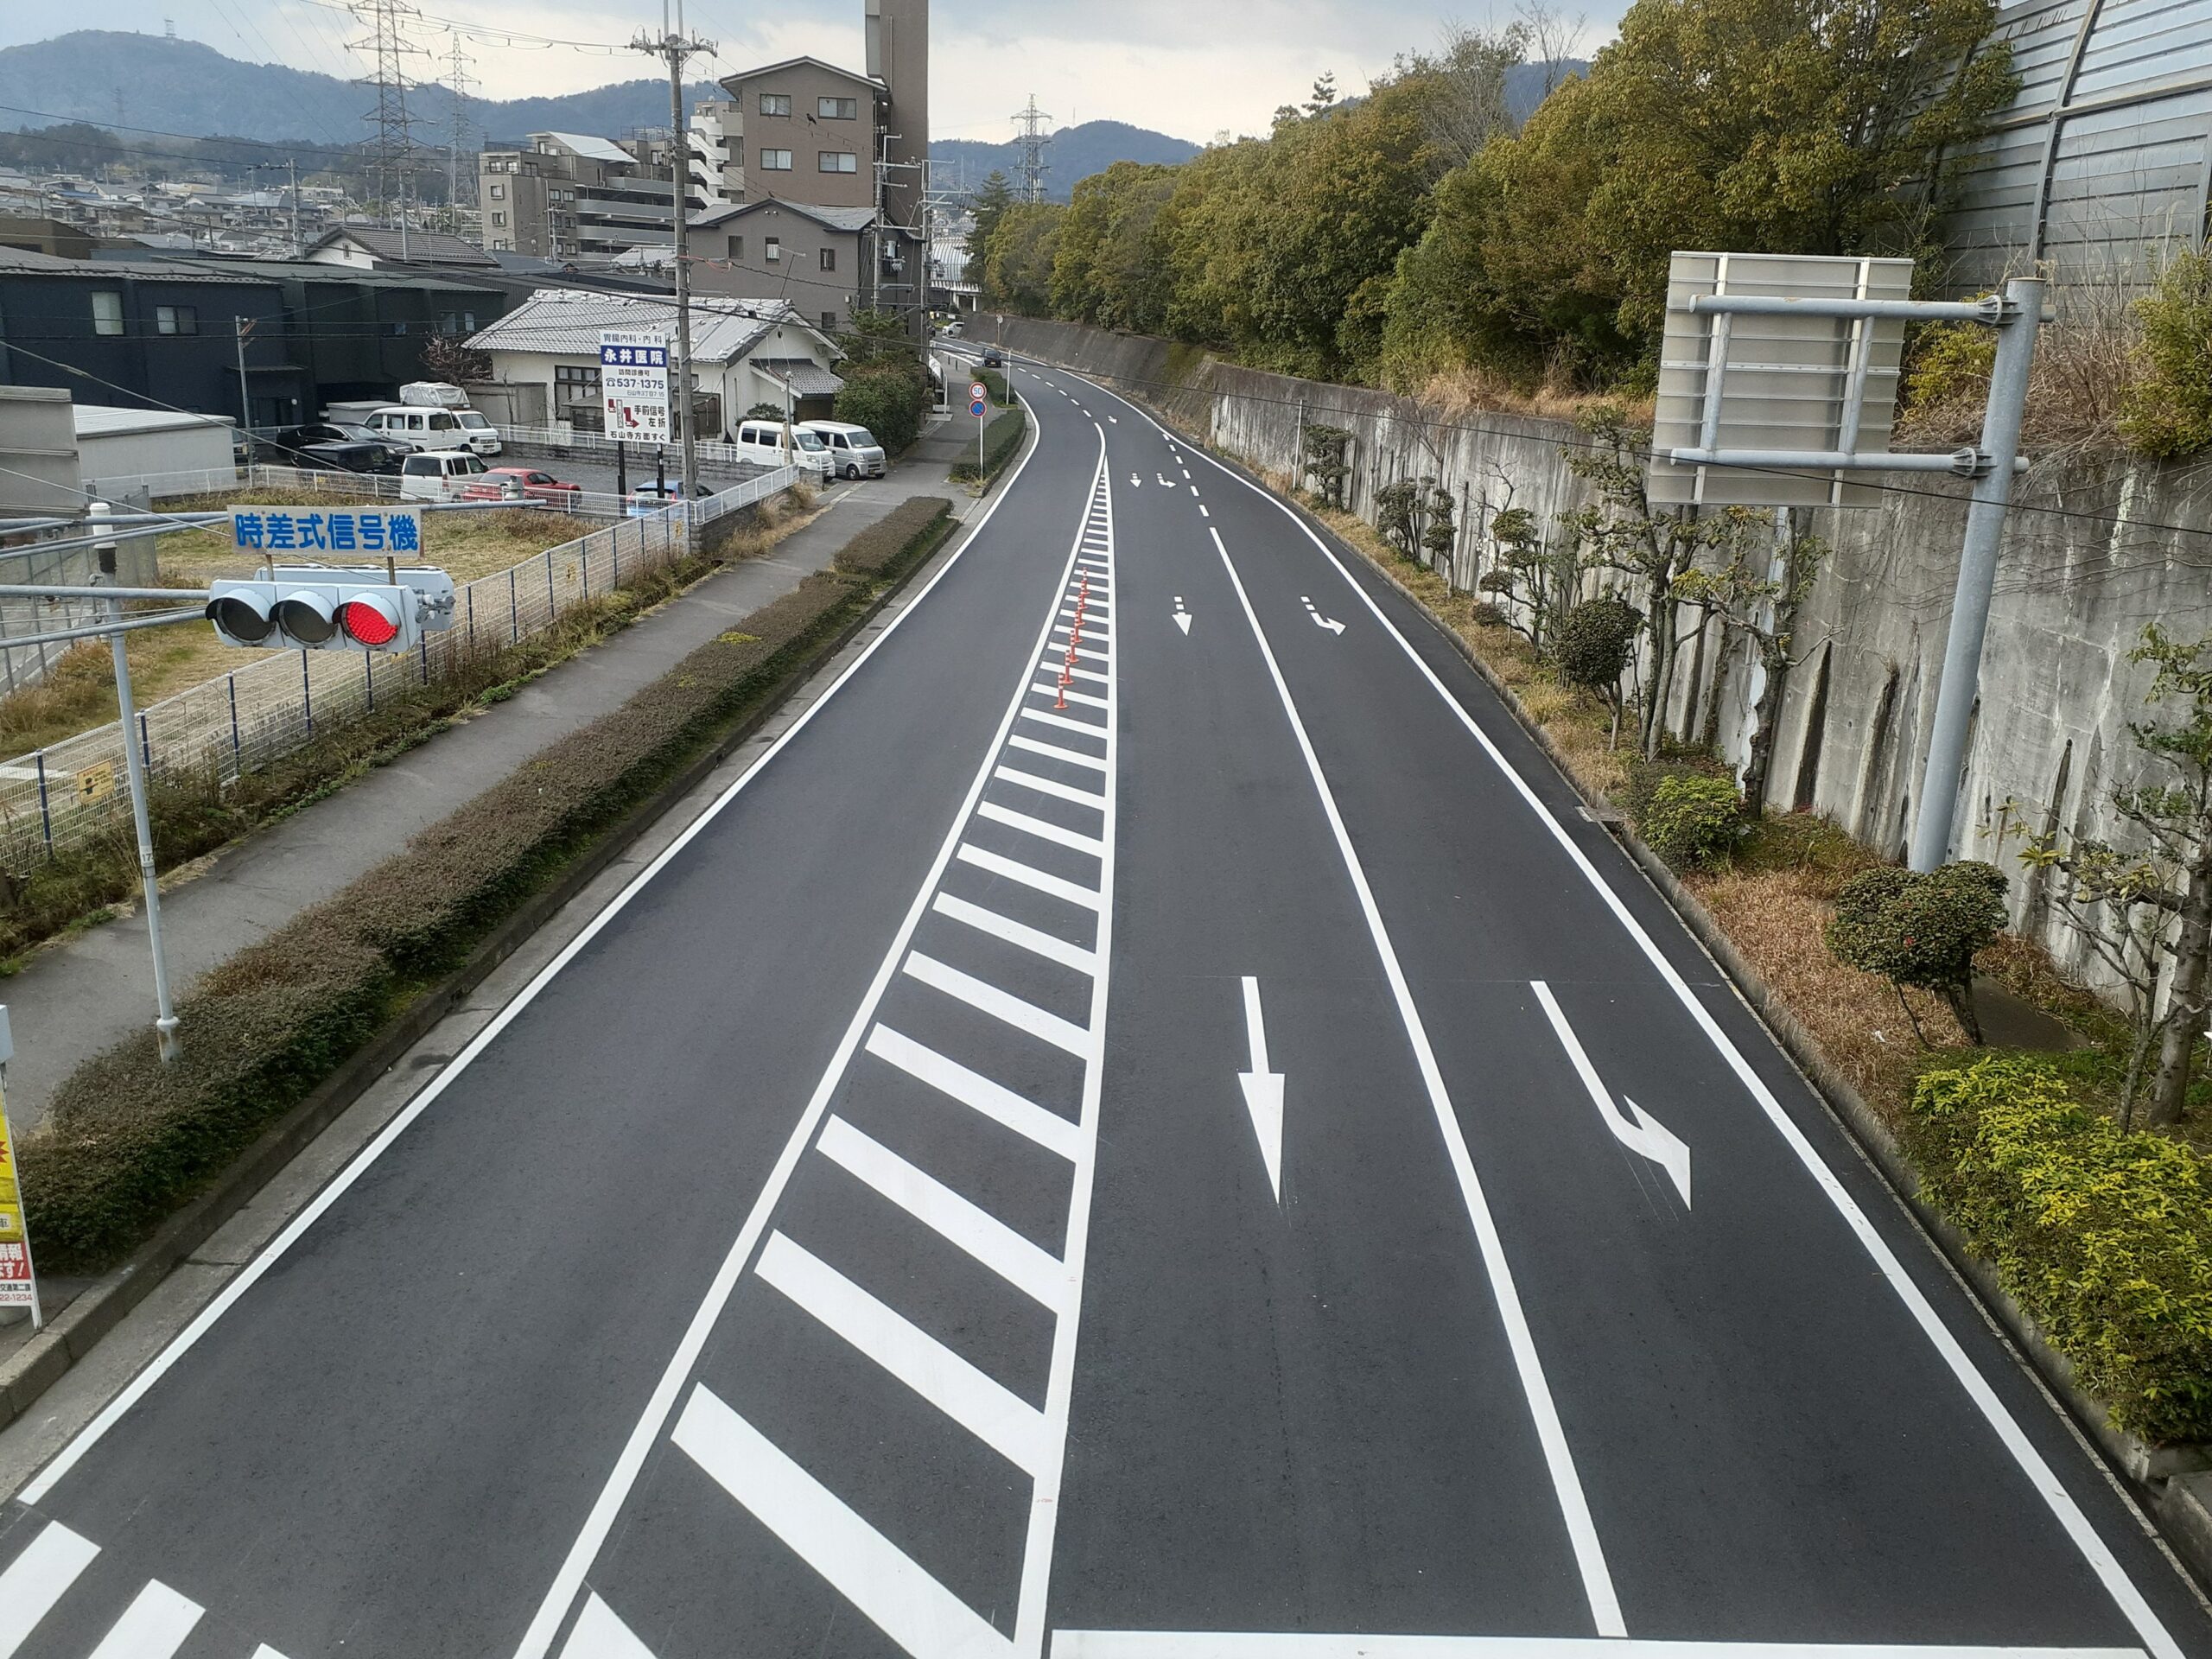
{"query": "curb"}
pixel 70 1335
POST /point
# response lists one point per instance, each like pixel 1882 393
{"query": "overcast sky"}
pixel 1154 63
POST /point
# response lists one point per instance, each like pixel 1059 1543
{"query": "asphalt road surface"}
pixel 1150 1128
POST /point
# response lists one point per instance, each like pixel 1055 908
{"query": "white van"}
pixel 853 449
pixel 483 436
pixel 771 444
pixel 416 427
pixel 439 474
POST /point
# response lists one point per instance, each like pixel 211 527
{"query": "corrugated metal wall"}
pixel 2106 156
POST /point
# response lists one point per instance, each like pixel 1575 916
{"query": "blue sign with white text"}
pixel 395 532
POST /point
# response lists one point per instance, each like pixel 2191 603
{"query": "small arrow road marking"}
pixel 1320 620
pixel 1166 482
pixel 1135 483
pixel 1182 617
pixel 1262 1090
pixel 1641 1133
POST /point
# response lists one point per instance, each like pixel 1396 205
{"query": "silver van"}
pixel 439 474
pixel 766 442
pixel 417 428
pixel 853 449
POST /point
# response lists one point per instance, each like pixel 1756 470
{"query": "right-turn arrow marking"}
pixel 1262 1090
pixel 1640 1132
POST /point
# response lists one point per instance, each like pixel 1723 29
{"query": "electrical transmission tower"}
pixel 1034 141
pixel 391 152
pixel 459 83
pixel 675 48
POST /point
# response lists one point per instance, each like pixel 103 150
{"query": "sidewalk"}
pixel 81 995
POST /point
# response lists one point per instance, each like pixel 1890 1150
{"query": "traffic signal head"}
pixel 331 610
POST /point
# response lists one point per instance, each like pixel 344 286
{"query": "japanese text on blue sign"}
pixel 393 532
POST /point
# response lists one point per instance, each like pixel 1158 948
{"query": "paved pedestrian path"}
pixel 81 995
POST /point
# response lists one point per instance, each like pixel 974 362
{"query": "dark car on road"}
pixel 322 446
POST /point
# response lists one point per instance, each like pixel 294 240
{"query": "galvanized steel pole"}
pixel 1993 493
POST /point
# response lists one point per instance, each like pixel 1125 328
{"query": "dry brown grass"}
pixel 1471 391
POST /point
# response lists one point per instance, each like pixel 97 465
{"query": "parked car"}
pixel 521 483
pixel 853 452
pixel 418 427
pixel 483 436
pixel 771 443
pixel 649 499
pixel 439 475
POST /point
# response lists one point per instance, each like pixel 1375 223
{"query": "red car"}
pixel 520 483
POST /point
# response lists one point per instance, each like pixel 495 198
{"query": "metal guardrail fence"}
pixel 66 794
pixel 723 457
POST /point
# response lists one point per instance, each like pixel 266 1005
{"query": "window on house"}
pixel 774 249
pixel 176 319
pixel 829 322
pixel 775 160
pixel 829 258
pixel 499 218
pixel 499 193
pixel 775 103
pixel 837 109
pixel 107 313
pixel 839 161
pixel 737 247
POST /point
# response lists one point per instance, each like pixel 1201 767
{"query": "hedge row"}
pixel 900 535
pixel 1001 439
pixel 2104 1239
pixel 130 1139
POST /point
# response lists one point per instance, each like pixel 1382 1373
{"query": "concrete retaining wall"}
pixel 2097 547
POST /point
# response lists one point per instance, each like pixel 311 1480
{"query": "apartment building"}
pixel 816 260
pixel 809 132
pixel 716 157
pixel 573 195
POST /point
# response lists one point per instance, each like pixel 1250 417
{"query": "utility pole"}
pixel 292 166
pixel 244 326
pixel 676 49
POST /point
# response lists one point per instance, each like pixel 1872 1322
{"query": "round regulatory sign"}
pixel 977 391
pixel 979 408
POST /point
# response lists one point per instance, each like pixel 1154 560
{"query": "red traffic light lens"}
pixel 368 622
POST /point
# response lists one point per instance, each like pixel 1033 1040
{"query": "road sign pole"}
pixel 165 1021
pixel 14 1229
pixel 1993 493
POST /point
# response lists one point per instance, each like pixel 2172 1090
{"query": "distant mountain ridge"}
pixel 113 79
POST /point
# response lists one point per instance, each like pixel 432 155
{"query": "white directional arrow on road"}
pixel 1321 621
pixel 1166 482
pixel 1640 1132
pixel 1135 483
pixel 1182 617
pixel 1262 1090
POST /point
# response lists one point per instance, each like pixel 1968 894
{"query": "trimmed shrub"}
pixel 884 396
pixel 1920 929
pixel 1487 615
pixel 885 546
pixel 1693 818
pixel 1593 643
pixel 130 1139
pixel 2104 1239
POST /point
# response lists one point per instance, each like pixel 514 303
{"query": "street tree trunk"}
pixel 2185 1020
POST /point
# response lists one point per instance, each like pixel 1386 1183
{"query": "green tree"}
pixel 1017 273
pixel 987 207
pixel 1920 929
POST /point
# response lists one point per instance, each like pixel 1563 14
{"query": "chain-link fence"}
pixel 61 796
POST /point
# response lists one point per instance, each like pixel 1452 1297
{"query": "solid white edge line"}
pixel 952 1216
pixel 2071 1518
pixel 1559 1456
pixel 568 1582
pixel 35 1580
pixel 89 1436
pixel 1307 1645
pixel 1044 1497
